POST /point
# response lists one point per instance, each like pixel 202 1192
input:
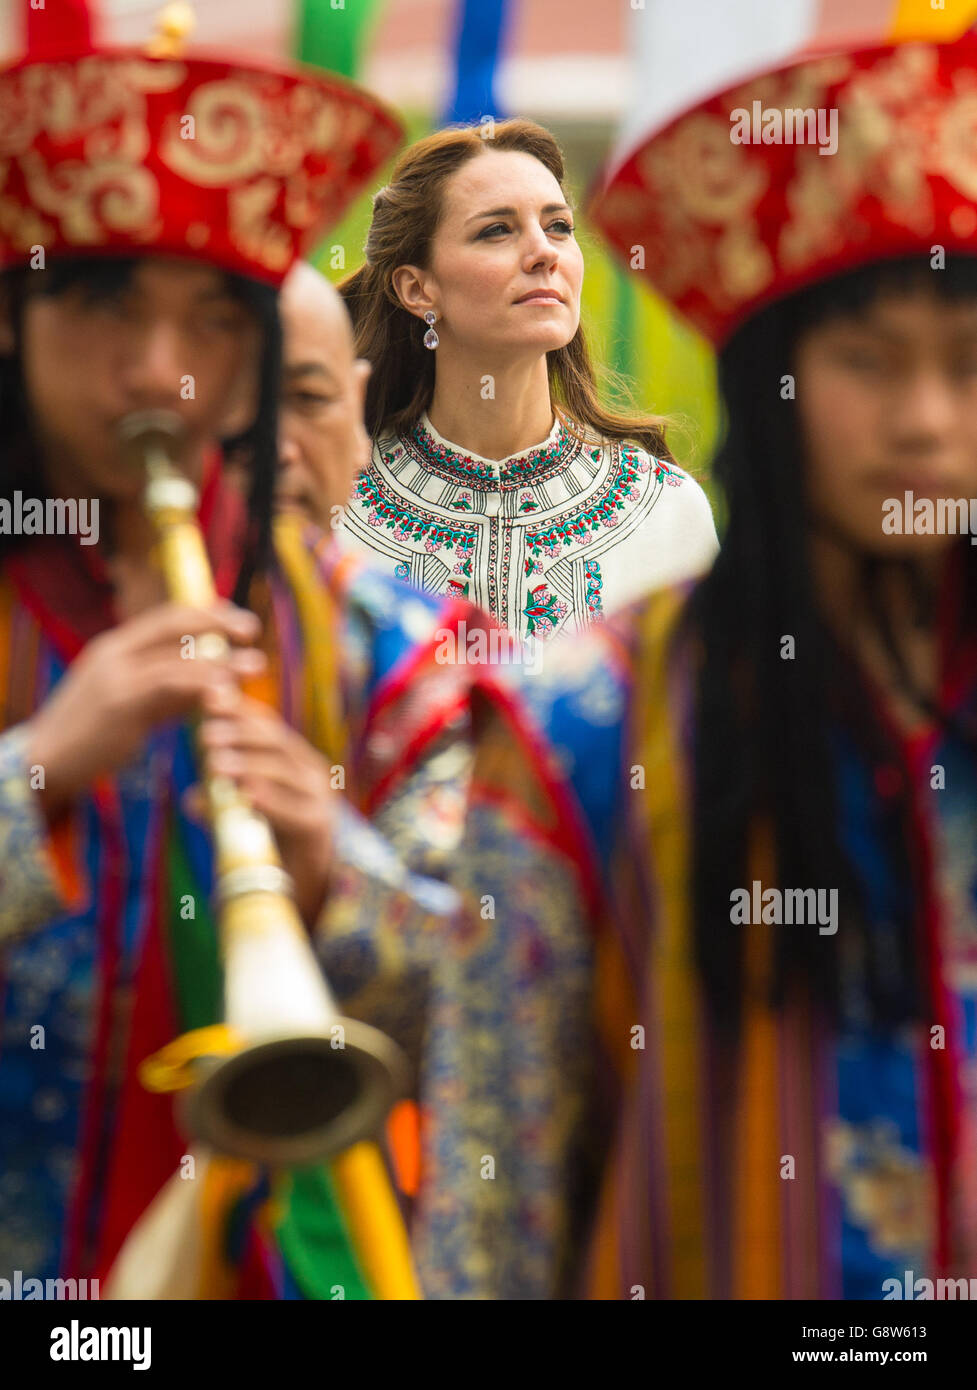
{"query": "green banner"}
pixel 332 33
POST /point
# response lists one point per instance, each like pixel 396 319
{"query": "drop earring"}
pixel 431 338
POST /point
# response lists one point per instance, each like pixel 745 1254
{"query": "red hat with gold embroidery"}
pixel 723 211
pixel 115 152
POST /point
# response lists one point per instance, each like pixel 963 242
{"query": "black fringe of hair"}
pixel 763 726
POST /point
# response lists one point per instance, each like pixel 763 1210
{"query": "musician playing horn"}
pixel 149 284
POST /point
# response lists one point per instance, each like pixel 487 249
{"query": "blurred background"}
pixel 601 74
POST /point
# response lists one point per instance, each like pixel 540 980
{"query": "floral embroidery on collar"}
pixel 572 527
pixel 404 524
pixel 665 471
pixel 452 465
pixel 623 488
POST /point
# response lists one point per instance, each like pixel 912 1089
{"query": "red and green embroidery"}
pixel 622 489
pixel 592 592
pixel 666 472
pixel 544 611
pixel 452 465
pixel 466 550
pixel 405 525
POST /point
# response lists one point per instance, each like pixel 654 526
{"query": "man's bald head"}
pixel 309 299
pixel 322 442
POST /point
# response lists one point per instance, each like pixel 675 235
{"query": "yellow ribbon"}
pixel 171 1069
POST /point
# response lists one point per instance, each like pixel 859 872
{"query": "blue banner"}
pixel 478 45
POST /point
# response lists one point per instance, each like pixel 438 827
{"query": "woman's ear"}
pixel 411 288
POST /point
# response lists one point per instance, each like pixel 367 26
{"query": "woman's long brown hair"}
pixel 405 217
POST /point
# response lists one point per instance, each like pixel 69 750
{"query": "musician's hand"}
pixel 124 683
pixel 284 778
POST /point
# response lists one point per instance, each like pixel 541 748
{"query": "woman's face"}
pixel 505 269
pixel 888 407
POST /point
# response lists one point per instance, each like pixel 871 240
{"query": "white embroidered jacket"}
pixel 547 541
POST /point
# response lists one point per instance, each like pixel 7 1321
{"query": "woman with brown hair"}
pixel 496 472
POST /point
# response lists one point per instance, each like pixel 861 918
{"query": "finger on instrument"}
pixel 167 688
pixel 249 726
pixel 278 802
pixel 170 622
pixel 242 762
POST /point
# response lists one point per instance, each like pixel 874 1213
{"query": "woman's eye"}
pixel 495 227
pixel 562 225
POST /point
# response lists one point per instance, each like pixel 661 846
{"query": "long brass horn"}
pixel 302 1082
